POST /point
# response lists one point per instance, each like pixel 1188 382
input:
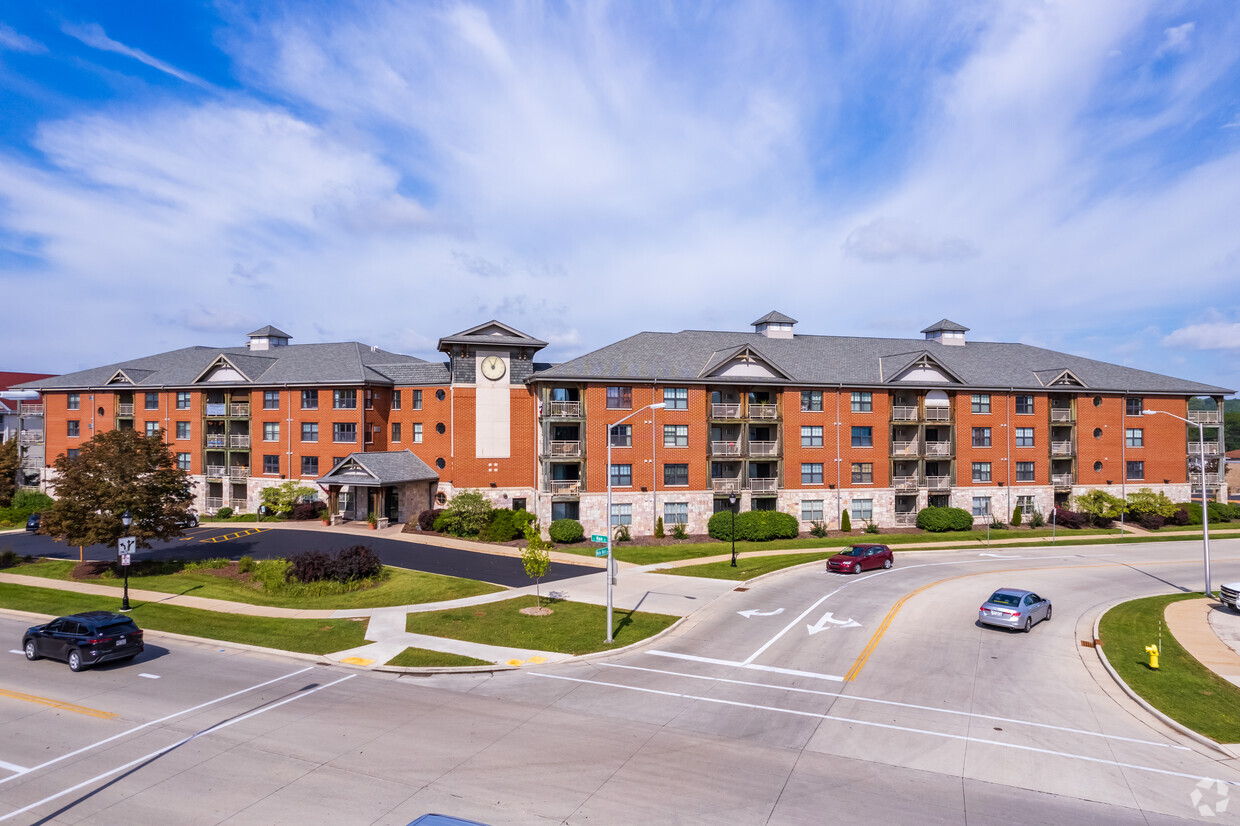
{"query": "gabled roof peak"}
pixel 773 317
pixel 946 325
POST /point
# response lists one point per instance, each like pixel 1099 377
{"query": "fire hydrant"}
pixel 1152 650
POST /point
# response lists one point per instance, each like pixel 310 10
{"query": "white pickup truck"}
pixel 1228 595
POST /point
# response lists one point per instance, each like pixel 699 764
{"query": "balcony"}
pixel 123 409
pixel 564 410
pixel 1203 416
pixel 763 485
pixel 239 410
pixel 217 441
pixel 30 437
pixel 214 503
pixel 1211 448
pixel 905 448
pixel 908 518
pixel 938 449
pixel 938 414
pixel 903 414
pixel 1061 448
pixel 565 450
pixel 763 448
pixel 763 411
pixel 938 482
pixel 1062 415
pixel 29 409
pixel 1061 480
pixel 241 473
pixel 215 410
pixel 565 487
pixel 725 448
pixel 726 485
pixel 731 410
pixel 216 471
pixel 238 440
pixel 904 482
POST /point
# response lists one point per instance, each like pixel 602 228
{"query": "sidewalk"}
pixel 1200 626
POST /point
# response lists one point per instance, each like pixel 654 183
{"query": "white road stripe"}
pixel 890 727
pixel 16 651
pixel 734 664
pixel 157 722
pixel 181 742
pixel 901 705
pixel 150 676
pixel 13 767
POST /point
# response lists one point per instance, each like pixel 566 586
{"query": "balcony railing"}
pixel 124 409
pixel 1061 448
pixel 565 487
pixel 238 440
pixel 566 449
pixel 1061 414
pixel 938 414
pixel 729 410
pixel 732 485
pixel 905 448
pixel 1061 480
pixel 903 414
pixel 29 409
pixel 216 471
pixel 217 441
pixel 214 503
pixel 938 448
pixel 214 409
pixel 565 410
pixel 1211 448
pixel 30 437
pixel 763 448
pixel 904 482
pixel 908 518
pixel 1203 416
pixel 762 484
pixel 938 482
pixel 239 410
pixel 725 448
pixel 239 473
pixel 763 411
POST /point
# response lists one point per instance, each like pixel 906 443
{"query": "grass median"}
pixel 1182 688
pixel 422 658
pixel 308 636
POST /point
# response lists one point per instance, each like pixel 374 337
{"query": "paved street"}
pixel 897 707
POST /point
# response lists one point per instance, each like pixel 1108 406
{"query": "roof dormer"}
pixel 774 325
pixel 267 337
pixel 946 332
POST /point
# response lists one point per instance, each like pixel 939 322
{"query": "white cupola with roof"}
pixel 267 338
pixel 945 331
pixel 774 325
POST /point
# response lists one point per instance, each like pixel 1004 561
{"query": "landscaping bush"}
pixel 308 510
pixel 566 531
pixel 622 534
pixel 997 525
pixel 441 522
pixel 426 519
pixel 1151 521
pixel 31 501
pixel 871 527
pixel 1147 501
pixel 1180 517
pixel 502 528
pixel 658 528
pixel 679 531
pixel 846 522
pixel 753 526
pixel 246 565
pixel 1065 518
pixel 467 514
pixel 8 559
pixel 224 512
pixel 1220 512
pixel 1036 519
pixel 818 529
pixel 1017 515
pixel 938 520
pixel 350 564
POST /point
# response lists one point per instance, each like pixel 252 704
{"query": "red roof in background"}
pixel 1233 454
pixel 7 380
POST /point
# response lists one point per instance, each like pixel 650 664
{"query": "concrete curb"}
pixel 1139 700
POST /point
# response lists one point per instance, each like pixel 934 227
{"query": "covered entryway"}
pixel 394 485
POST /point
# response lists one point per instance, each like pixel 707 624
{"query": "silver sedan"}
pixel 1014 609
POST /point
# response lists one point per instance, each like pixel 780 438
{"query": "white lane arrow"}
pixel 752 612
pixel 829 618
pixel 1001 556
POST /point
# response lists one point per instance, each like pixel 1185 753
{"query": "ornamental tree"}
pixel 281 498
pixel 1101 505
pixel 536 558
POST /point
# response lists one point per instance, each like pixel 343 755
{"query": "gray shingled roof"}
pixel 415 375
pixel 944 324
pixel 385 467
pixel 854 362
pixel 270 331
pixel 773 317
pixel 515 337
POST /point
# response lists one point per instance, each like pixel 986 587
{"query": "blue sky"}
pixel 1061 174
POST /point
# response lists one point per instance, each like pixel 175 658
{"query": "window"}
pixel 344 432
pixel 981 471
pixel 271 400
pixel 309 400
pixel 344 399
pixel 564 510
pixel 152 428
pixel 183 461
pixel 74 402
pixel 439 428
pixel 370 399
pixel 811 473
pixel 622 435
pixel 619 398
pixel 518 503
pixel 621 514
pixel 1133 406
pixel 368 433
pixel 811 510
pixel 981 402
pixel 1136 470
pixel 981 437
pixel 73 428
pixel 622 476
pixel 1024 405
pixel 676 475
pixel 271 431
pixel 309 431
pixel 863 437
pixel 182 430
pixel 72 453
pixel 811 436
pixel 440 394
pixel 862 402
pixel 676 398
pixel 396 400
pixel 676 513
pixel 182 401
pixel 1024 471
pixel 862 473
pixel 416 404
pixel 417 433
pixel 981 506
pixel 1025 503
pixel 811 400
pixel 862 509
pixel 395 431
pixel 675 435
pixel 1134 437
pixel 271 464
pixel 309 465
pixel 151 401
pixel 723 505
pixel 1024 437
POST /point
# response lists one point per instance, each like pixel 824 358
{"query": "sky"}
pixel 1061 174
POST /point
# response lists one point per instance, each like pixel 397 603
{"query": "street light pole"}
pixel 732 508
pixel 126 520
pixel 611 562
pixel 1205 504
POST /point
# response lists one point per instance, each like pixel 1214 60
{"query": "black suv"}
pixel 84 639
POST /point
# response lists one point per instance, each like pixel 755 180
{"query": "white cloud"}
pixel 1217 335
pixel 93 35
pixel 15 41
pixel 1176 40
pixel 888 239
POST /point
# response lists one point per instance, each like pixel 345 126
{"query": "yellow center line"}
pixel 76 709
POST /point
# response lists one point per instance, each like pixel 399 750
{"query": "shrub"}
pixel 215 563
pixel 754 526
pixel 1017 515
pixel 8 559
pixel 426 519
pixel 441 522
pixel 350 564
pixel 1193 509
pixel 31 501
pixel 818 529
pixel 468 514
pixel 679 531
pixel 1147 501
pixel 719 526
pixel 566 531
pixel 224 512
pixel 523 519
pixel 846 522
pixel 1065 518
pixel 309 566
pixel 308 510
pixel 938 520
pixel 1101 507
pixel 997 524
pixel 1220 512
pixel 871 527
pixel 1180 517
pixel 658 528
pixel 1151 521
pixel 622 534
pixel 1036 519
pixel 502 528
pixel 246 565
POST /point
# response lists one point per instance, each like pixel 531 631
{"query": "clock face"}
pixel 493 367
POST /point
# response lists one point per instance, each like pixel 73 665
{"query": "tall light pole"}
pixel 732 508
pixel 126 520
pixel 1205 504
pixel 611 562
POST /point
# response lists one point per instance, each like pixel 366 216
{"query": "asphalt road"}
pixel 733 718
pixel 242 539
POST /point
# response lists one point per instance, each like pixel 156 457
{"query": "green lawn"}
pixel 1182 688
pixel 422 658
pixel 310 636
pixel 402 587
pixel 747 568
pixel 573 628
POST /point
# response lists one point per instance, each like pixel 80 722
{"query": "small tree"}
pixel 1017 515
pixel 468 514
pixel 1101 506
pixel 1145 502
pixel 658 528
pixel 536 559
pixel 845 522
pixel 281 498
pixel 10 461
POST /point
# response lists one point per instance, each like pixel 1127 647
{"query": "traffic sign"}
pixel 600 552
pixel 598 537
pixel 124 559
pixel 126 545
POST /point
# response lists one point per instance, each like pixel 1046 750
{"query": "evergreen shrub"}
pixel 566 531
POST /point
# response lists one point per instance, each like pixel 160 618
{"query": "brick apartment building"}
pixel 809 425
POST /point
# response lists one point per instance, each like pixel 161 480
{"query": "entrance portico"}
pixel 395 485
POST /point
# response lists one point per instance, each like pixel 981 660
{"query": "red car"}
pixel 857 558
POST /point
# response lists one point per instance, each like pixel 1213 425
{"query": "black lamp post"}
pixel 126 520
pixel 732 507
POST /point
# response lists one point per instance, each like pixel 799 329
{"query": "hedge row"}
pixel 753 526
